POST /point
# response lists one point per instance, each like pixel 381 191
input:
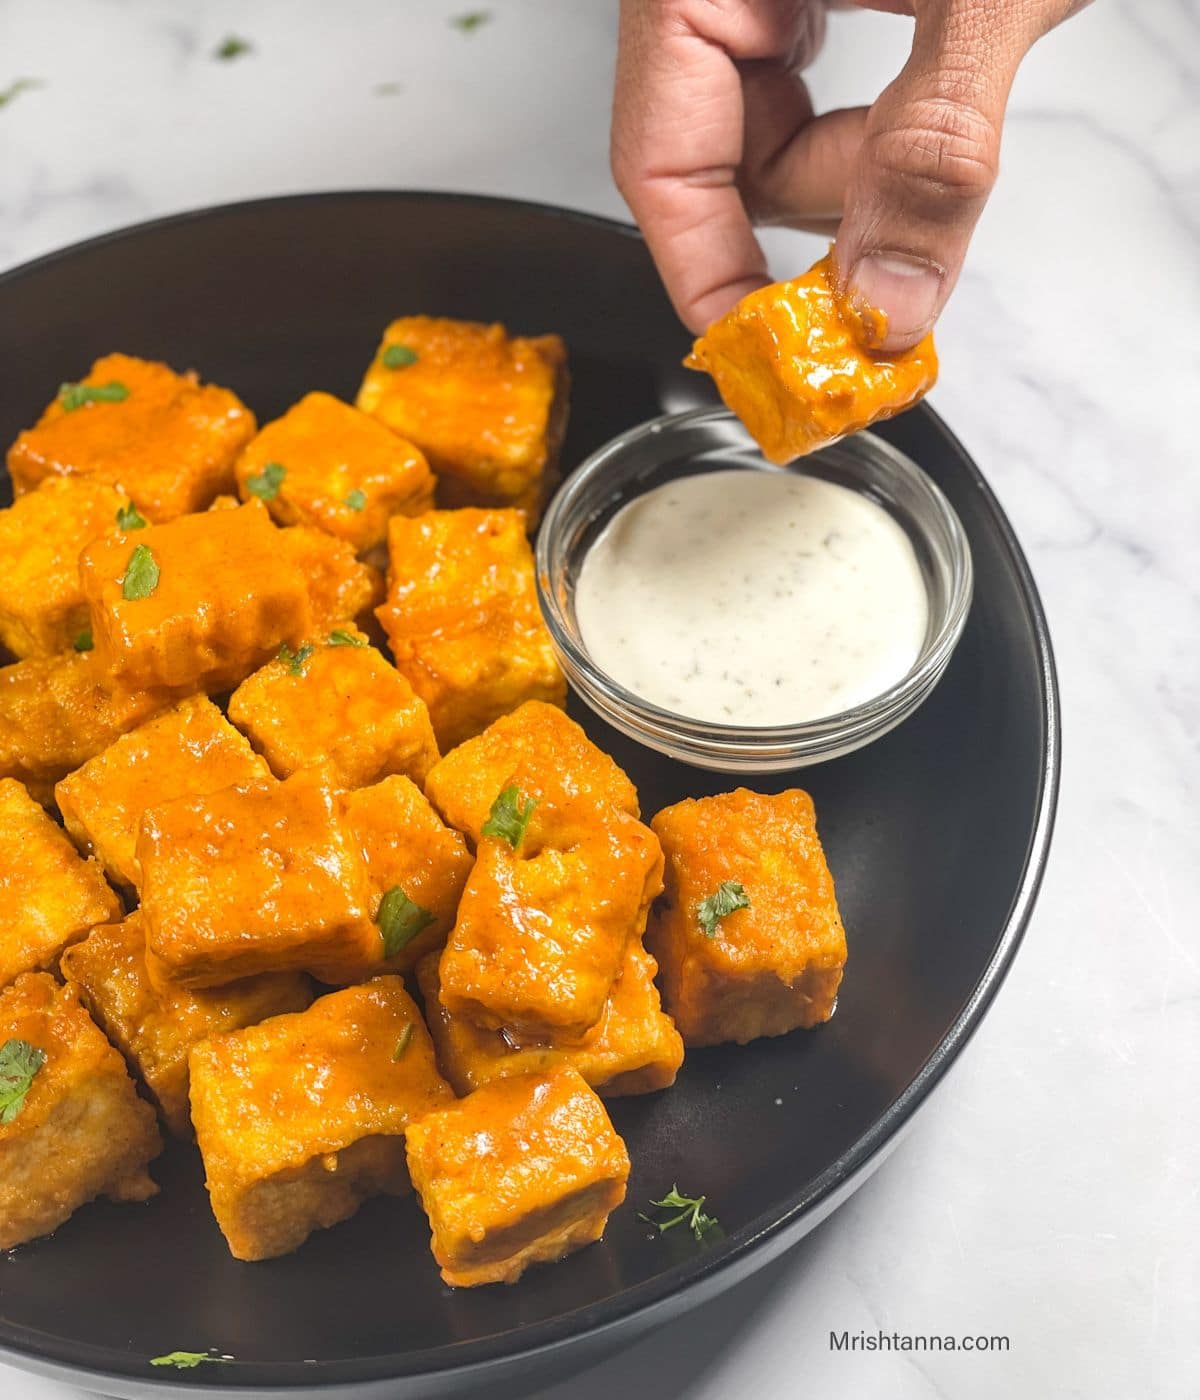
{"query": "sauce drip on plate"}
pixel 753 598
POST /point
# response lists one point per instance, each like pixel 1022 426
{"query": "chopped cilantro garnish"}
pixel 509 817
pixel 266 483
pixel 130 518
pixel 344 639
pixel 85 641
pixel 294 660
pixel 471 21
pixel 402 1044
pixel 400 920
pixel 729 896
pixel 186 1360
pixel 231 47
pixel 141 575
pixel 689 1210
pixel 357 500
pixel 17 87
pixel 73 396
pixel 19 1064
pixel 399 357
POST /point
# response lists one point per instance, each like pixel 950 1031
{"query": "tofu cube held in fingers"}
pixel 633 1048
pixel 748 936
pixel 463 619
pixel 153 1023
pixel 336 703
pixel 331 466
pixel 302 1118
pixel 49 895
pixel 539 750
pixel 165 438
pixel 414 863
pixel 188 751
pixel 253 879
pixel 545 921
pixel 488 410
pixel 71 1124
pixel 524 1171
pixel 42 610
pixel 196 604
pixel 56 712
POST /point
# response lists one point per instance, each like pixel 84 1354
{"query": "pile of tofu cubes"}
pixel 301 858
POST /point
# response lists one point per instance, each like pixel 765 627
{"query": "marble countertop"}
pixel 1049 1191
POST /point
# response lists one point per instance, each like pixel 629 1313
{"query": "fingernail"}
pixel 907 290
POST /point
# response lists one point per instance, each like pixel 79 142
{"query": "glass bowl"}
pixel 712 439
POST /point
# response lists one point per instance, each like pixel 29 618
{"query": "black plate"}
pixel 937 834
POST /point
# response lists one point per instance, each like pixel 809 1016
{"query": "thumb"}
pixel 928 162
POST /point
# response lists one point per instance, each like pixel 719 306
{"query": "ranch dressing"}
pixel 753 598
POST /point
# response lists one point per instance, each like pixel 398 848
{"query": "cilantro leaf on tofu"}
pixel 509 817
pixel 402 1044
pixel 400 919
pixel 85 640
pixel 294 660
pixel 19 1064
pixel 186 1360
pixel 399 357
pixel 728 896
pixel 266 483
pixel 689 1210
pixel 130 518
pixel 356 499
pixel 342 638
pixel 141 575
pixel 73 396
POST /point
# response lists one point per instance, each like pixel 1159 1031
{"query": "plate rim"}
pixel 776 1227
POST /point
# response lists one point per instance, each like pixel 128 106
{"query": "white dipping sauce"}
pixel 753 598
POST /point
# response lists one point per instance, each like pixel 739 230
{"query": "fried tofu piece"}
pixel 169 441
pixel 196 604
pixel 341 587
pixel 56 712
pixel 188 751
pixel 488 410
pixel 524 1171
pixel 49 895
pixel 411 854
pixel 253 879
pixel 155 1023
pixel 790 361
pixel 463 620
pixel 542 752
pixel 331 466
pixel 633 1048
pixel 42 610
pixel 302 1118
pixel 80 1131
pixel 542 929
pixel 336 704
pixel 774 961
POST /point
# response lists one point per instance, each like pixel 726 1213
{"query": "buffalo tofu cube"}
pixel 463 620
pixel 42 610
pixel 332 466
pixel 72 1126
pixel 302 1118
pixel 253 879
pixel 49 895
pixel 633 1048
pixel 524 1171
pixel 489 410
pixel 341 587
pixel 56 712
pixel 542 928
pixel 196 604
pixel 164 438
pixel 536 748
pixel 188 751
pixel 155 1023
pixel 414 863
pixel 336 703
pixel 748 936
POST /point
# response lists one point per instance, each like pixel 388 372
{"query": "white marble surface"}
pixel 1050 1190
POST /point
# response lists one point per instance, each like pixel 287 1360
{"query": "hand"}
pixel 713 130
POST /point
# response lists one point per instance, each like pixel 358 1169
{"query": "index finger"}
pixel 676 146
